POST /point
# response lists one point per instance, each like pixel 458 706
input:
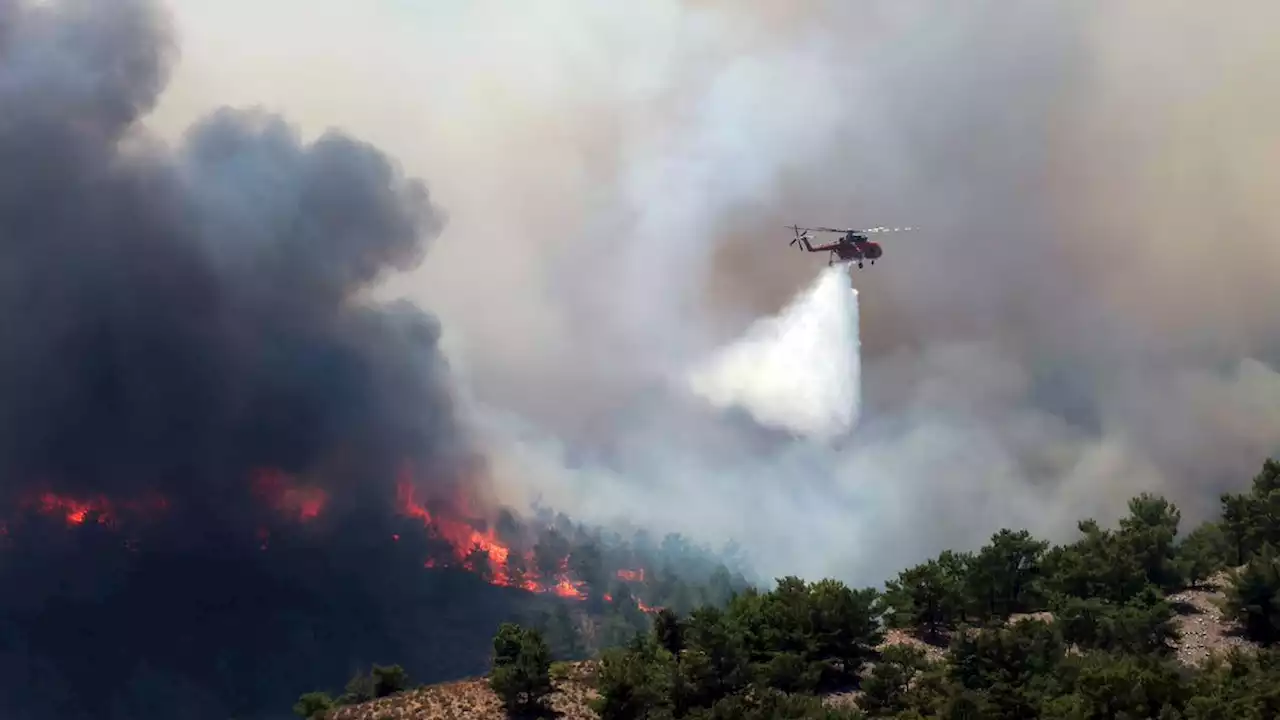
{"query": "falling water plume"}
pixel 799 370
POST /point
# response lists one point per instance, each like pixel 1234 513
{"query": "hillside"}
pixel 1139 621
pixel 1201 624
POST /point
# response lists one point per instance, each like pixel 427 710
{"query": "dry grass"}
pixel 473 700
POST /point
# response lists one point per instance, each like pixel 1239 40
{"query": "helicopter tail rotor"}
pixel 800 237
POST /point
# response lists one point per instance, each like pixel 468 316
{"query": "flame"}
pixel 635 576
pixel 76 511
pixel 459 534
pixel 466 540
pixel 571 589
pixel 282 492
pixel 471 541
pixel 649 609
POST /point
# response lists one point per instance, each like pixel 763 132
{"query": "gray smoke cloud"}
pixel 179 316
pixel 1084 315
pixel 203 411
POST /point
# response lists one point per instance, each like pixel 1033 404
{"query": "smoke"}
pixel 797 371
pixel 178 317
pixel 193 368
pixel 1086 316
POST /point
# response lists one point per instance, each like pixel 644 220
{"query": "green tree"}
pixel 1253 596
pixel 802 636
pixel 1099 565
pixel 313 705
pixel 885 689
pixel 1143 625
pixel 1003 576
pixel 587 564
pixel 359 689
pixel 716 661
pixel 388 680
pixel 669 631
pixel 845 629
pixel 1237 525
pixel 521 672
pixel 1012 668
pixel 1204 551
pixel 1251 520
pixel 930 596
pixel 1150 530
pixel 1114 686
pixel 561 633
pixel 635 683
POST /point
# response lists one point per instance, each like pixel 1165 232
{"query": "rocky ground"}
pixel 473 700
pixel 1204 629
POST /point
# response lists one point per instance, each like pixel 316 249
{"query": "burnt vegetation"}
pixel 1095 628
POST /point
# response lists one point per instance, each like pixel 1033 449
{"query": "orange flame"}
pixel 639 603
pixel 76 511
pixel 631 575
pixel 282 492
pixel 460 535
pixel 466 540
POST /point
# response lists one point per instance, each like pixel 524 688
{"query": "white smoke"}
pixel 799 370
pixel 1036 362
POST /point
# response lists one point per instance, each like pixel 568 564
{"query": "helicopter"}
pixel 854 246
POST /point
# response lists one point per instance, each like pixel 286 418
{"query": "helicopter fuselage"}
pixel 858 248
pixel 853 246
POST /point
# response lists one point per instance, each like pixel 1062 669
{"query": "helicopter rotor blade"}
pixel 886 229
pixel 867 230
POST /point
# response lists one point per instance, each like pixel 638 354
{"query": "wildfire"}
pixel 76 511
pixel 631 575
pixel 466 541
pixel 460 535
pixel 473 545
pixel 281 491
pixel 639 603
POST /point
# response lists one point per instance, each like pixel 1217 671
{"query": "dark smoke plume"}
pixel 175 318
pixel 184 336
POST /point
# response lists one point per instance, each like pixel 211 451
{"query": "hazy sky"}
pixel 1086 313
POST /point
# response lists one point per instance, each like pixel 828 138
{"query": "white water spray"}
pixel 799 370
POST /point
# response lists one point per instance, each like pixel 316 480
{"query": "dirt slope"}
pixel 1204 629
pixel 473 700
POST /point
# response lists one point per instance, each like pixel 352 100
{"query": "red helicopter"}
pixel 853 247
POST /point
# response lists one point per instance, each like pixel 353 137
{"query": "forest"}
pixel 1019 628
